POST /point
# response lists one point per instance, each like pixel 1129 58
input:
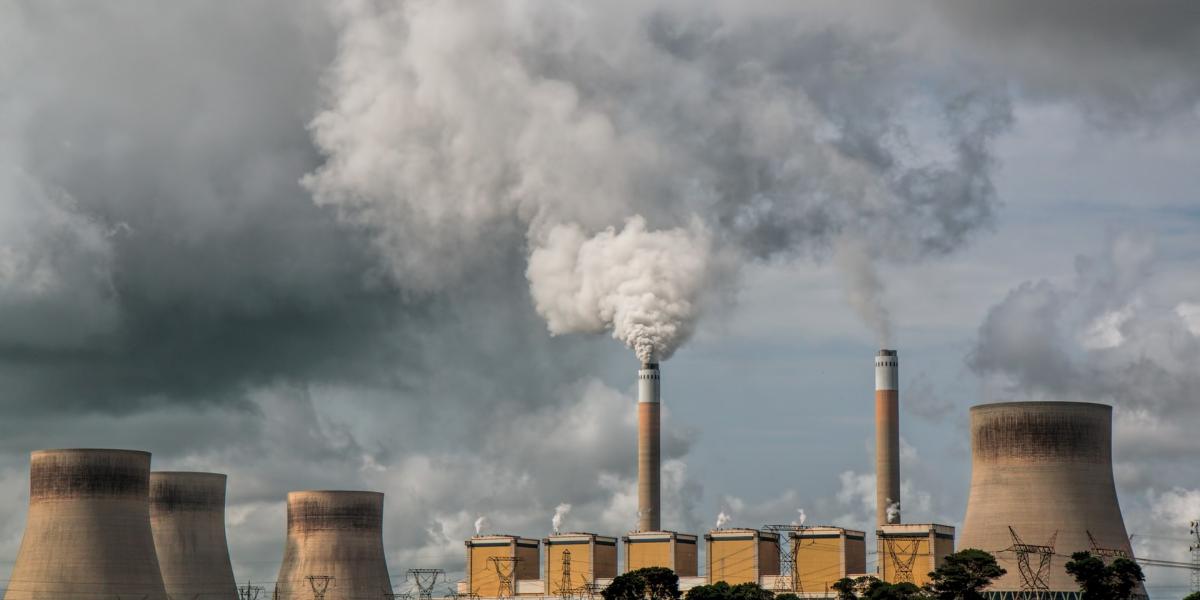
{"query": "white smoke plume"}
pixel 560 511
pixel 644 286
pixel 723 519
pixel 480 523
pixel 864 289
pixel 800 517
pixel 463 133
pixel 893 511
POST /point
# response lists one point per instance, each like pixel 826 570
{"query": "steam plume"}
pixel 723 519
pixel 864 289
pixel 893 511
pixel 479 524
pixel 559 512
pixel 800 518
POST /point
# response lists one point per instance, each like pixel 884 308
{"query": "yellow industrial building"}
pixel 574 561
pixel 823 555
pixel 741 555
pixel 497 564
pixel 908 552
pixel 675 551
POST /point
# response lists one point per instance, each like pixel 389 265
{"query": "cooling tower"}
pixel 187 515
pixel 649 458
pixel 887 437
pixel 334 534
pixel 87 534
pixel 1045 470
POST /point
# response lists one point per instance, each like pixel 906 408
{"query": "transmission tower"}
pixel 1033 583
pixel 903 556
pixel 787 557
pixel 425 579
pixel 564 585
pixel 249 592
pixel 506 568
pixel 1105 554
pixel 1195 549
pixel 319 585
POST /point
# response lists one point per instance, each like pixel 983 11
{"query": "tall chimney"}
pixel 887 437
pixel 649 458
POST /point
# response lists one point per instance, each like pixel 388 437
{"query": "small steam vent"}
pixel 334 539
pixel 1042 481
pixel 87 534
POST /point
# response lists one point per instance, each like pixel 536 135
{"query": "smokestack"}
pixel 887 437
pixel 87 534
pixel 334 534
pixel 1042 472
pixel 187 516
pixel 649 457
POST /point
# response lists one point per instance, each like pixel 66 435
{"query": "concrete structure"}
pixel 675 551
pixel 486 576
pixel 741 555
pixel 577 560
pixel 1045 470
pixel 187 517
pixel 649 456
pixel 336 534
pixel 887 437
pixel 909 552
pixel 87 534
pixel 824 555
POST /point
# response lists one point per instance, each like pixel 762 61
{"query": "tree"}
pixel 845 589
pixel 651 583
pixel 963 575
pixel 1192 596
pixel 723 591
pixel 1098 581
pixel 791 596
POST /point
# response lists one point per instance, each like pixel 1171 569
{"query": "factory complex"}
pixel 102 525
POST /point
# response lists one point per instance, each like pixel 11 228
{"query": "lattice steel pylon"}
pixel 319 585
pixel 506 568
pixel 425 579
pixel 903 556
pixel 564 585
pixel 1032 582
pixel 249 592
pixel 1105 554
pixel 787 558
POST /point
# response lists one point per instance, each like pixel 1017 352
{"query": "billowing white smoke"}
pixel 480 522
pixel 560 511
pixel 644 286
pixel 723 519
pixel 800 517
pixel 893 511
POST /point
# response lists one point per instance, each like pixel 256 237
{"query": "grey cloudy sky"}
pixel 292 241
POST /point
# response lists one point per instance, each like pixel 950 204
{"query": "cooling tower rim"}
pixel 190 474
pixel 334 492
pixel 1028 403
pixel 92 451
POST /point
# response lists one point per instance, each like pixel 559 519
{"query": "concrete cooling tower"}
pixel 334 539
pixel 187 516
pixel 1042 488
pixel 87 534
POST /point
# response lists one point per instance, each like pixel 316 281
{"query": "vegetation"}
pixel 1192 596
pixel 651 583
pixel 1098 581
pixel 723 591
pixel 963 575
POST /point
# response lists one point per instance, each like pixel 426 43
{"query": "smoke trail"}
pixel 723 519
pixel 800 518
pixel 479 524
pixel 645 286
pixel 864 289
pixel 458 132
pixel 560 511
pixel 893 511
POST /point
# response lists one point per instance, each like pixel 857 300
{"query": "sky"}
pixel 420 247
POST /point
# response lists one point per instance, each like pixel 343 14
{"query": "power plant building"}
pixel 742 555
pixel 574 561
pixel 335 545
pixel 87 533
pixel 1042 486
pixel 908 552
pixel 823 555
pixel 187 517
pixel 675 551
pixel 497 564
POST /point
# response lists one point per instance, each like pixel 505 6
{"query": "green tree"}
pixel 963 574
pixel 651 583
pixel 1098 581
pixel 791 596
pixel 723 591
pixel 1192 596
pixel 845 589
